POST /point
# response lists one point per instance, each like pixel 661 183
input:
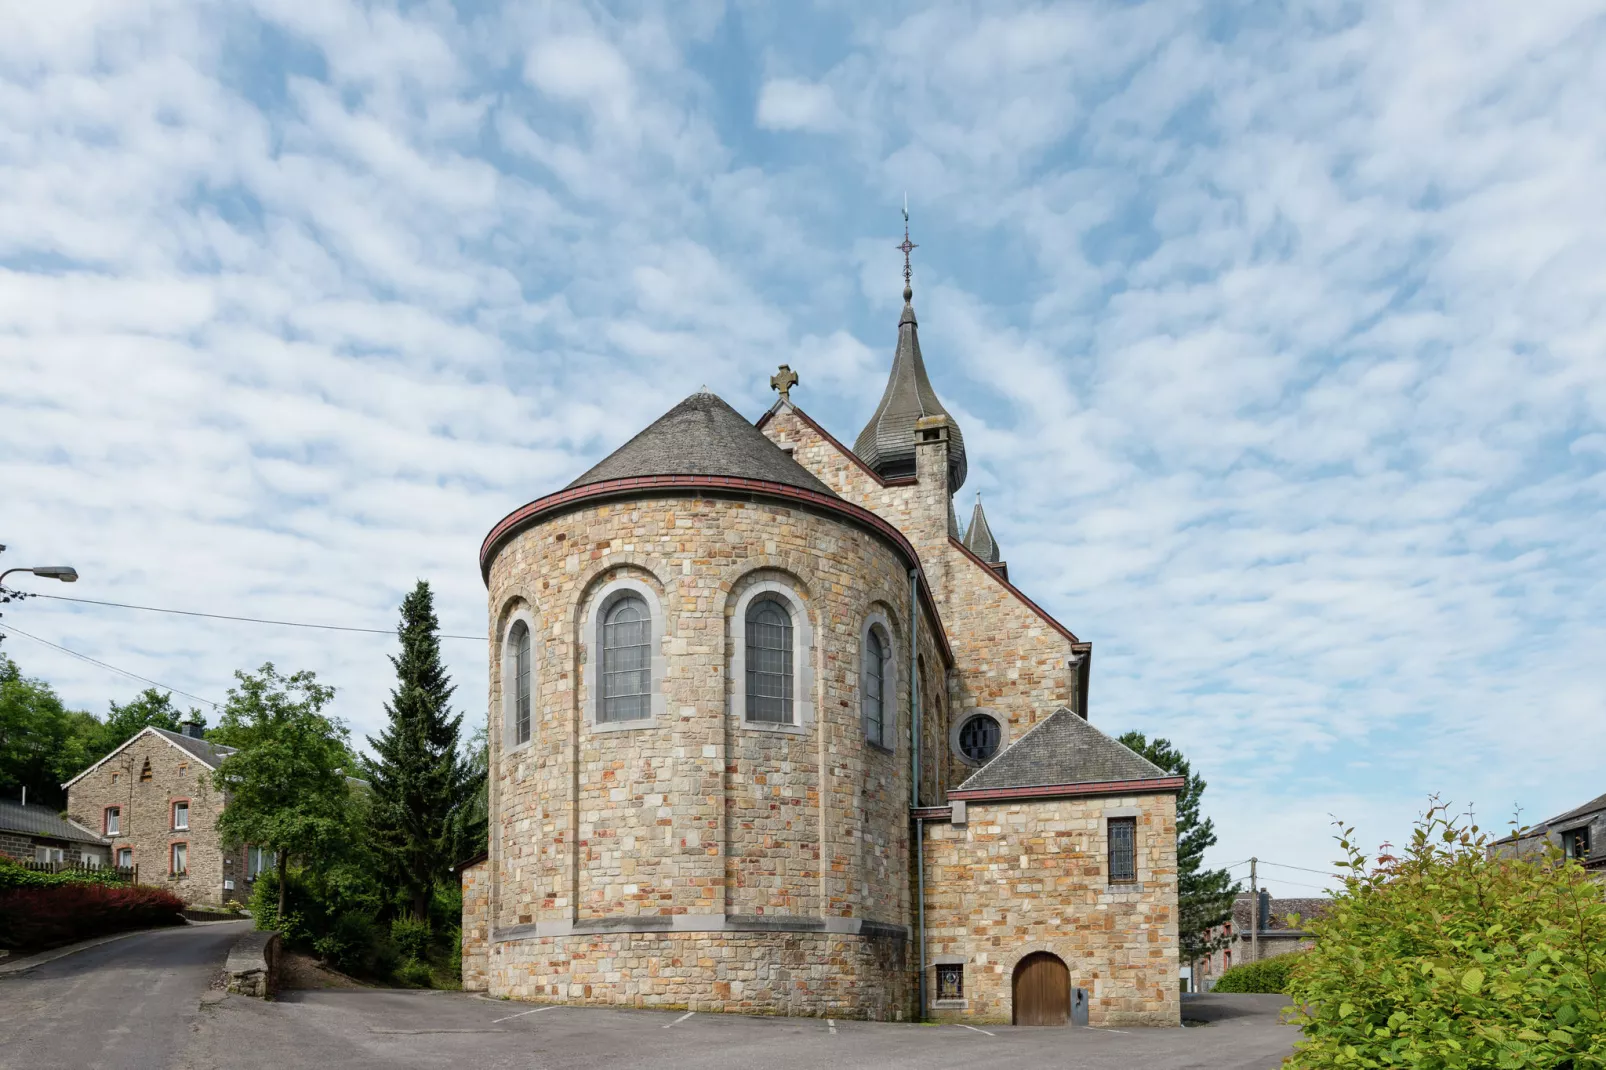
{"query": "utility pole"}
pixel 1254 911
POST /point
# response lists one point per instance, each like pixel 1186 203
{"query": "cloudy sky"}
pixel 1276 336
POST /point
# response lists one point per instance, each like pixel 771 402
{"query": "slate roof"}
pixel 1062 749
pixel 210 753
pixel 887 442
pixel 979 537
pixel 1592 806
pixel 42 822
pixel 1277 911
pixel 703 436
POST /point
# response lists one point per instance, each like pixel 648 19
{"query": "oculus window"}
pixel 978 738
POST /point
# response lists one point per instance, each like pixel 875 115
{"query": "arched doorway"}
pixel 1042 990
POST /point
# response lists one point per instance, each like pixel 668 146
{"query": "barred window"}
pixel 519 639
pixel 769 662
pixel 875 671
pixel 950 981
pixel 626 661
pixel 1123 836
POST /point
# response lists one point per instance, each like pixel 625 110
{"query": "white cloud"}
pixel 790 104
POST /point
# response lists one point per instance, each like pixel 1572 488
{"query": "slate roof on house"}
pixel 1592 806
pixel 1277 912
pixel 210 753
pixel 42 822
pixel 1058 750
pixel 887 443
pixel 703 436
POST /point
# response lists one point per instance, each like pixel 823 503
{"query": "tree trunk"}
pixel 420 904
pixel 284 861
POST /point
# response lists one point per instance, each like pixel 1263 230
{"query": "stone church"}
pixel 770 734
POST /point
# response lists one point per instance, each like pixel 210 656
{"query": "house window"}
pixel 520 640
pixel 978 738
pixel 1226 960
pixel 91 860
pixel 876 729
pixel 1123 836
pixel 258 860
pixel 145 771
pixel 627 661
pixel 179 860
pixel 181 816
pixel 950 981
pixel 49 854
pixel 114 820
pixel 769 662
pixel 125 858
pixel 1575 843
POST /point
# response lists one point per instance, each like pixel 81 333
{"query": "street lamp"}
pixel 64 573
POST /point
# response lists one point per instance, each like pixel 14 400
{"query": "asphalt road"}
pixel 147 1002
pixel 131 1004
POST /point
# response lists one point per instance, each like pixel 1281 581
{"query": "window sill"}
pixel 882 748
pixel 1123 886
pixel 950 1004
pixel 635 725
pixel 514 749
pixel 773 728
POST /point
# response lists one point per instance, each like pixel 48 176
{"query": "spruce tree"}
pixel 1204 896
pixel 418 778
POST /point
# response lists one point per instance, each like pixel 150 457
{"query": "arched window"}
pixel 769 662
pixel 876 729
pixel 626 661
pixel 519 648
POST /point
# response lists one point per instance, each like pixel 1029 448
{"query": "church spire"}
pixel 887 443
pixel 979 537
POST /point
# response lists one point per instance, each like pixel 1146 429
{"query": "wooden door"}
pixel 1042 990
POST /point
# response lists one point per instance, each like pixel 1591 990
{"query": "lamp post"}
pixel 64 573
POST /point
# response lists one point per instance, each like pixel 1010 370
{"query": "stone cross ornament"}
pixel 784 380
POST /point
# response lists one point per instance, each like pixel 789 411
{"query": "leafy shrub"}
pixel 350 944
pixel 1446 959
pixel 414 972
pixel 1267 975
pixel 15 875
pixel 34 917
pixel 411 937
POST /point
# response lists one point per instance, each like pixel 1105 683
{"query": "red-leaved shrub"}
pixel 33 918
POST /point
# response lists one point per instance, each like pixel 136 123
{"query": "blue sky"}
pixel 1278 339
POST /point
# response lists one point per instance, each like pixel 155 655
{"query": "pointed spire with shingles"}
pixel 979 537
pixel 887 443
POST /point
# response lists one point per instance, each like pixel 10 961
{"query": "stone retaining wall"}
pixel 253 963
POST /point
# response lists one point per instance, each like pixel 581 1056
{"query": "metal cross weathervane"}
pixel 907 247
pixel 784 381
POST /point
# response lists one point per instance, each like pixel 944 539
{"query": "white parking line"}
pixel 831 1022
pixel 521 1014
pixel 973 1029
pixel 682 1018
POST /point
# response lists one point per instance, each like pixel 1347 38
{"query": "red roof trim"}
pixel 1153 786
pixel 564 500
pixel 1012 589
pixel 832 439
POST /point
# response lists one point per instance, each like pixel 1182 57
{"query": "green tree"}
pixel 286 781
pixel 150 708
pixel 420 782
pixel 42 742
pixel 1204 896
pixel 1448 957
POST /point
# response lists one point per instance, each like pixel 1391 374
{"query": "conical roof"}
pixel 887 443
pixel 979 537
pixel 702 436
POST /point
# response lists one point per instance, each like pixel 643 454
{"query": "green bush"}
pixel 1267 975
pixel 410 937
pixel 15 875
pixel 1446 959
pixel 350 945
pixel 414 972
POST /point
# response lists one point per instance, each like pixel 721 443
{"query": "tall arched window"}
pixel 769 662
pixel 519 643
pixel 875 674
pixel 626 661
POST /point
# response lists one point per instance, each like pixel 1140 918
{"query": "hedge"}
pixel 1267 975
pixel 13 875
pixel 38 917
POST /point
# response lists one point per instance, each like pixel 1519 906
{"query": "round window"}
pixel 978 738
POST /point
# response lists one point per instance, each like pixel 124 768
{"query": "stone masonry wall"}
pixel 798 974
pixel 476 926
pixel 695 812
pixel 146 823
pixel 1029 876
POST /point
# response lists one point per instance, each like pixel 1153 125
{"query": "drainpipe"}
pixel 914 760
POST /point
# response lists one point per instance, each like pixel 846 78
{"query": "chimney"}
pixel 1265 910
pixel 195 729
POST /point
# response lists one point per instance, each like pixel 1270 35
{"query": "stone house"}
pixel 1580 833
pixel 39 834
pixel 769 733
pixel 153 801
pixel 1276 936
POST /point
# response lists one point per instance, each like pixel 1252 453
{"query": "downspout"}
pixel 914 759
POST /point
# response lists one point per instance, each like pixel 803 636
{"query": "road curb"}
pixel 23 966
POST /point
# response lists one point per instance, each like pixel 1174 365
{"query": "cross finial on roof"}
pixel 907 247
pixel 784 380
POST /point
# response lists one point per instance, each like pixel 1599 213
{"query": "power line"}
pixel 104 665
pixel 1303 869
pixel 249 620
pixel 1296 884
